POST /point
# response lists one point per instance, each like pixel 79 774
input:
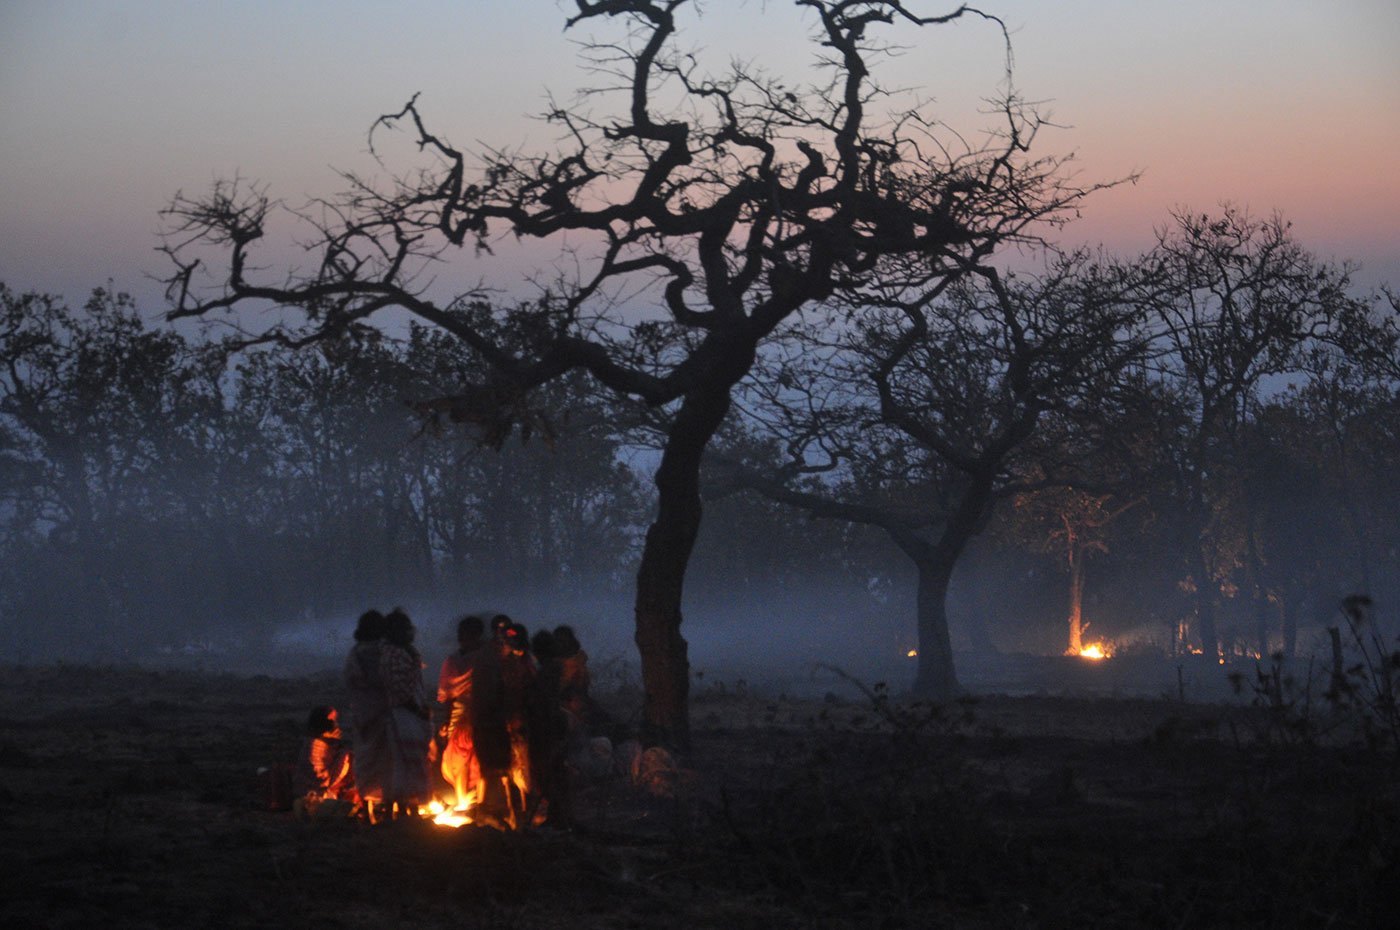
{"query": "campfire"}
pixel 444 811
pixel 443 815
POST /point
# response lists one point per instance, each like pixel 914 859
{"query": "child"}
pixel 323 766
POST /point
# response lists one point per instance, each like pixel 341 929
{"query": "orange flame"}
pixel 445 816
pixel 1094 651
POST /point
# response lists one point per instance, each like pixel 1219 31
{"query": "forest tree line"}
pixel 1192 450
pixel 158 490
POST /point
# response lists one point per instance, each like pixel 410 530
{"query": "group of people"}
pixel 507 706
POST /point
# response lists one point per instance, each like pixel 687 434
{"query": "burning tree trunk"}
pixel 1071 523
pixel 1076 598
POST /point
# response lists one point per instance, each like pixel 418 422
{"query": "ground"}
pixel 129 798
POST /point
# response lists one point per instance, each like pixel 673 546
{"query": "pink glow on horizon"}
pixel 110 107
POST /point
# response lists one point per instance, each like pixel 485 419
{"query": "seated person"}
pixel 323 766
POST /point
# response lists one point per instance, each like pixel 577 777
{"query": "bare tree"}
pixel 719 205
pixel 1239 300
pixel 931 415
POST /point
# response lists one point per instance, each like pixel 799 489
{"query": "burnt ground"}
pixel 128 798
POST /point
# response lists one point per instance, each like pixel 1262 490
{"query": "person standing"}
pixel 491 738
pixel 518 672
pixel 369 712
pixel 547 729
pixel 410 732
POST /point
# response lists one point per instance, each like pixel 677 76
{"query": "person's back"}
pixel 518 673
pixel 547 731
pixel 369 710
pixel 488 710
pixel 491 736
pixel 574 677
pixel 406 784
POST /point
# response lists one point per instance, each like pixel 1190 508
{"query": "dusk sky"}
pixel 108 107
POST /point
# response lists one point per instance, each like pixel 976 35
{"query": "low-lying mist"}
pixel 775 645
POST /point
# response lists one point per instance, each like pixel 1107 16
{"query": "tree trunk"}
pixel 661 578
pixel 1206 631
pixel 936 678
pixel 935 562
pixel 1254 561
pixel 1289 610
pixel 1076 600
pixel 1205 624
pixel 93 621
pixel 1339 678
pixel 1260 604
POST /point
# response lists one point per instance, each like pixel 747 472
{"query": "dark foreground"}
pixel 127 799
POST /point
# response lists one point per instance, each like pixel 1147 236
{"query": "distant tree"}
pixel 374 506
pixel 102 422
pixel 728 203
pixel 1297 533
pixel 340 467
pixel 153 498
pixel 1238 301
pixel 1072 523
pixel 931 415
pixel 1336 440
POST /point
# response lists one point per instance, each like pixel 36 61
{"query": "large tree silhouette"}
pixel 719 205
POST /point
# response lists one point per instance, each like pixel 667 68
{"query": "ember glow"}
pixel 912 653
pixel 445 816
